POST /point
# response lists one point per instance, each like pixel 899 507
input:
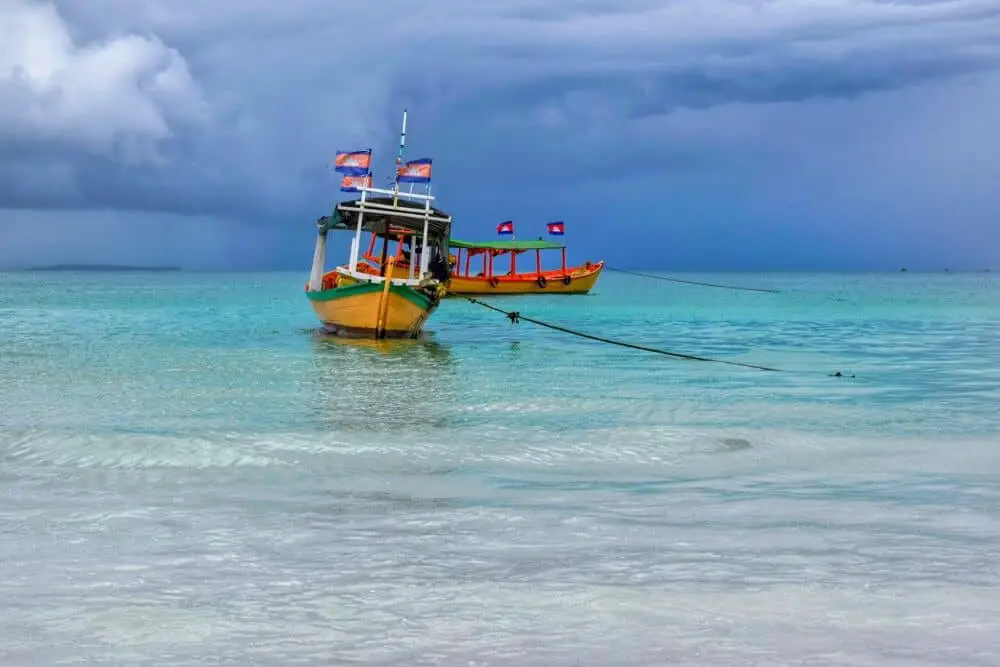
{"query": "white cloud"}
pixel 119 97
pixel 729 93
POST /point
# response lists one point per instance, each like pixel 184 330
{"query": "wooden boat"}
pixel 488 280
pixel 359 300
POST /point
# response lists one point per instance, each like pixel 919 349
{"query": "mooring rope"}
pixel 515 317
pixel 692 282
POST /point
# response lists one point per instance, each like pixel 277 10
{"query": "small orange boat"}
pixel 489 280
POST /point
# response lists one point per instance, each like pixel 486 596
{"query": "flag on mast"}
pixel 557 228
pixel 415 171
pixel 354 183
pixel 353 163
pixel 506 228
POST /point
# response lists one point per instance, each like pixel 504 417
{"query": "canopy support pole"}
pixel 385 250
pixel 356 243
pixel 319 257
pixel 425 255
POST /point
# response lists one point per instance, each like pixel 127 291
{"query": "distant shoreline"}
pixel 102 268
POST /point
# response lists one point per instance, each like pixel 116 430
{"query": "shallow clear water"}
pixel 190 475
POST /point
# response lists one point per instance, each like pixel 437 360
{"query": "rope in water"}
pixel 515 317
pixel 692 282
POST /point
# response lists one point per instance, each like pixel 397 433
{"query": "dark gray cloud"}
pixel 232 111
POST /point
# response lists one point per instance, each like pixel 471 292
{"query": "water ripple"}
pixel 189 474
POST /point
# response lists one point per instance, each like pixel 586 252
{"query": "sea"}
pixel 190 474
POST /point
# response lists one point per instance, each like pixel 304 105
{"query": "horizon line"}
pixel 71 267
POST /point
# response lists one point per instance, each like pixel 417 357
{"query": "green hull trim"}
pixel 408 293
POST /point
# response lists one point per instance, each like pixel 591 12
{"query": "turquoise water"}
pixel 191 475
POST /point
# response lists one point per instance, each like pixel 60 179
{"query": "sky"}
pixel 686 135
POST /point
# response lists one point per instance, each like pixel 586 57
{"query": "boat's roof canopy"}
pixel 516 246
pixel 381 214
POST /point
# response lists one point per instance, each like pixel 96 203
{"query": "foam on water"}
pixel 593 451
pixel 190 475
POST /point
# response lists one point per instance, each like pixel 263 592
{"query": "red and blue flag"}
pixel 557 228
pixel 354 183
pixel 505 228
pixel 415 171
pixel 353 163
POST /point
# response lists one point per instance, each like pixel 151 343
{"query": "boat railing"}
pixel 399 194
pixel 364 276
pixel 368 207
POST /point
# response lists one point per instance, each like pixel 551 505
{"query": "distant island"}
pixel 103 267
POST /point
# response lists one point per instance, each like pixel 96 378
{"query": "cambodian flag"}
pixel 557 228
pixel 353 163
pixel 505 228
pixel 352 183
pixel 415 171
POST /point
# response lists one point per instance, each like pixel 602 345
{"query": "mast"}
pixel 399 162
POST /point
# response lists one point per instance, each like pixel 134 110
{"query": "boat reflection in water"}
pixel 403 386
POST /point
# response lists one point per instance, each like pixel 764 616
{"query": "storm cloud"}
pixel 782 134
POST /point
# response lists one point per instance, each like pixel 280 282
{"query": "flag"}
pixel 353 163
pixel 415 171
pixel 557 228
pixel 353 183
pixel 505 228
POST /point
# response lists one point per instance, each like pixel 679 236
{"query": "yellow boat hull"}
pixel 352 310
pixel 581 281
